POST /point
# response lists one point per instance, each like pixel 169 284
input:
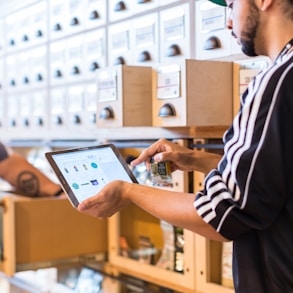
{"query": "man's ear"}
pixel 265 4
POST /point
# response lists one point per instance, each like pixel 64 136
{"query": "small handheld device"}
pixel 161 174
pixel 83 172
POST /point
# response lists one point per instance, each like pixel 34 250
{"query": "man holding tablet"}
pixel 248 193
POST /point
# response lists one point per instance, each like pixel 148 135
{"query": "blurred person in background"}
pixel 25 179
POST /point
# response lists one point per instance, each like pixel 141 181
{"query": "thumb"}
pixel 158 157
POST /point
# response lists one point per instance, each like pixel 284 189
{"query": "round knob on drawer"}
pixel 12 82
pixel 12 42
pixel 144 56
pixel 76 119
pixel 173 50
pixel 26 80
pixel 94 15
pixel 39 121
pixel 58 120
pixel 75 70
pixel 13 122
pixel 58 73
pixel 119 61
pixel 39 33
pixel 39 77
pixel 167 110
pixel 25 38
pixel 120 6
pixel 74 21
pixel 26 122
pixel 94 66
pixel 212 43
pixel 107 113
pixel 57 27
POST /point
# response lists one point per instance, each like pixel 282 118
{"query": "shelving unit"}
pixel 202 258
pixel 142 223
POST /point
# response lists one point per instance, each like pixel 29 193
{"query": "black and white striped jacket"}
pixel 249 197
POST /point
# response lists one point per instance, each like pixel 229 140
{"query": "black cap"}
pixel 219 2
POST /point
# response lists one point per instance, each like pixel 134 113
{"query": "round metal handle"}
pixel 212 43
pixel 58 73
pixel 26 122
pixel 76 119
pixel 167 110
pixel 58 120
pixel 94 66
pixel 39 121
pixel 94 15
pixel 74 21
pixel 144 56
pixel 75 70
pixel 57 27
pixel 120 6
pixel 107 113
pixel 119 61
pixel 173 50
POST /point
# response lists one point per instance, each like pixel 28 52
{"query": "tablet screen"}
pixel 83 172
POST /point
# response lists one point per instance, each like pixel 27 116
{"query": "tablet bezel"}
pixel 64 184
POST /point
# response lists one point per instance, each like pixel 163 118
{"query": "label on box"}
pixel 168 82
pixel 212 19
pixel 107 86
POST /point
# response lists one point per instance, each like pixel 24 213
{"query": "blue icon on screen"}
pixel 94 182
pixel 75 185
pixel 94 165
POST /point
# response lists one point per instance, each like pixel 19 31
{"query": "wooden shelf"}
pixel 153 133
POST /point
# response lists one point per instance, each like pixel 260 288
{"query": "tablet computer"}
pixel 84 171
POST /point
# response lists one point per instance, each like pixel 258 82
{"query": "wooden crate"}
pixel 40 232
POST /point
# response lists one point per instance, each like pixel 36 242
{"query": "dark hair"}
pixel 287 8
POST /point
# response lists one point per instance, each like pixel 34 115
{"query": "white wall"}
pixel 7 6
